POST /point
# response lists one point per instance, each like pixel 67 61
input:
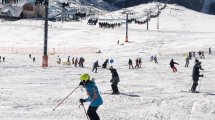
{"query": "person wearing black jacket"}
pixel 172 65
pixel 115 80
pixel 105 64
pixel 130 64
pixel 196 75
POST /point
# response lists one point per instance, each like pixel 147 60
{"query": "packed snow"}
pixel 153 92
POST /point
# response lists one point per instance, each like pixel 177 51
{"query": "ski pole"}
pixel 200 83
pixel 84 110
pixel 65 98
pixel 189 84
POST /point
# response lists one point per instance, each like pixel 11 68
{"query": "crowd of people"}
pixel 92 22
pixel 108 25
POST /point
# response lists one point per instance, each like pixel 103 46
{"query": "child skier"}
pixel 93 96
pixel 76 62
pixel 137 65
pixel 196 75
pixel 151 58
pixel 187 62
pixel 155 59
pixel 172 65
pixel 140 62
pixel 115 80
pixel 130 63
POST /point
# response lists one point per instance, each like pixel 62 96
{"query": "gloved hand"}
pixel 82 101
pixel 111 80
pixel 81 83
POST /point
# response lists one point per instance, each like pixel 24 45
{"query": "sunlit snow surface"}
pixel 153 92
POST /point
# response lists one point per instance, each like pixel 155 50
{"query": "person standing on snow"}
pixel 194 54
pixel 95 65
pixel 115 80
pixel 210 50
pixel 0 58
pixel 137 65
pixel 196 75
pixel 3 59
pixel 151 58
pixel 200 54
pixel 140 62
pixel 155 59
pixel 172 65
pixel 73 60
pixel 203 54
pixel 130 63
pixel 76 62
pixel 93 96
pixel 187 62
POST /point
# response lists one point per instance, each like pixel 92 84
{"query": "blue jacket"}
pixel 93 95
pixel 95 64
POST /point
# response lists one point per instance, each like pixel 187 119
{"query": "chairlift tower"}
pixel 45 56
pixel 148 11
pixel 158 17
pixel 127 13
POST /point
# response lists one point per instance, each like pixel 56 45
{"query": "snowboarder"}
pixel 104 65
pixel 140 62
pixel 73 60
pixel 130 63
pixel 196 75
pixel 172 65
pixel 194 54
pixel 115 80
pixel 95 65
pixel 203 54
pixel 93 96
pixel 210 50
pixel 151 58
pixel 137 65
pixel 76 62
pixel 200 54
pixel 29 55
pixel 187 62
pixel 155 59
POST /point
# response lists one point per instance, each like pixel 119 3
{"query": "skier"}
pixel 93 96
pixel 115 80
pixel 151 58
pixel 59 61
pixel 104 65
pixel 76 62
pixel 68 61
pixel 194 54
pixel 196 75
pixel 73 60
pixel 130 63
pixel 155 59
pixel 203 54
pixel 172 65
pixel 29 55
pixel 140 62
pixel 190 55
pixel 3 59
pixel 200 54
pixel 118 42
pixel 95 65
pixel 34 59
pixel 210 50
pixel 137 65
pixel 187 62
pixel 82 62
pixel 0 58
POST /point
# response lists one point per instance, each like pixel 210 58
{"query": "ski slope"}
pixel 153 92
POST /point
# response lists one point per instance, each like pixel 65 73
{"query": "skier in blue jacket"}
pixel 93 96
pixel 96 64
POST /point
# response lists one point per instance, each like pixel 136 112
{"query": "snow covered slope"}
pixel 153 92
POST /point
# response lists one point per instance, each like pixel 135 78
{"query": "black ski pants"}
pixel 91 112
pixel 114 87
pixel 94 68
pixel 195 84
pixel 186 64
